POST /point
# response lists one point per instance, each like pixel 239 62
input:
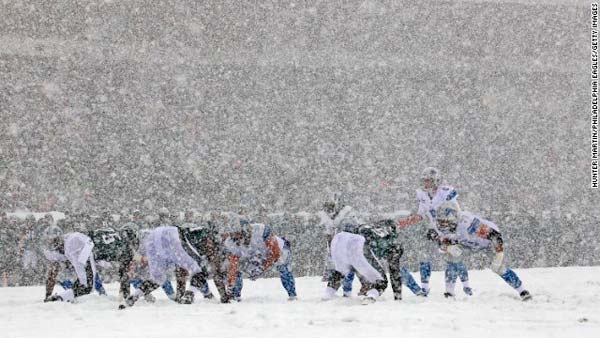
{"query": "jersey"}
pixel 77 251
pixel 262 251
pixel 381 239
pixel 195 239
pixel 163 248
pixel 347 254
pixel 109 245
pixel 468 230
pixel 428 204
pixel 257 246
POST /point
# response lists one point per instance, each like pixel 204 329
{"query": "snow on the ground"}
pixel 566 303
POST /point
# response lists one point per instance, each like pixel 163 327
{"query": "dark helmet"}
pixel 129 232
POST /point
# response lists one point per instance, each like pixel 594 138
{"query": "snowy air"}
pixel 316 168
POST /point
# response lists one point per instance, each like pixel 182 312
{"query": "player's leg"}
pixel 167 287
pixel 145 288
pixel 463 274
pixel 333 284
pixel 347 284
pixel 451 274
pixel 411 283
pixel 511 278
pixel 425 271
pixel 157 257
pixel 196 282
pixel 205 291
pixel 339 266
pixel 237 288
pixel 98 285
pixel 285 270
pixel 396 272
pixel 370 267
pixel 78 289
pixel 181 281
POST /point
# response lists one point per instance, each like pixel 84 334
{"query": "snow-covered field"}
pixel 566 303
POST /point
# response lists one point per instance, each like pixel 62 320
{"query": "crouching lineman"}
pixel 476 233
pixel 331 215
pixel 115 246
pixel 361 248
pixel 72 251
pixel 182 247
pixel 253 249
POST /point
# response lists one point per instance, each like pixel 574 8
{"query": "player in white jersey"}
pixel 71 250
pixel 253 249
pixel 430 198
pixel 348 252
pixel 474 233
pixel 190 249
pixel 331 215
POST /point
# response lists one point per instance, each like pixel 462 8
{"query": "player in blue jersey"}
pixel 430 197
pixel 469 232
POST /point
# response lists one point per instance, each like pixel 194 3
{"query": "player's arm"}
pixel 492 235
pixel 234 267
pixel 181 280
pixel 51 280
pixel 125 266
pixel 273 252
pixel 215 257
pixel 410 220
pixel 496 238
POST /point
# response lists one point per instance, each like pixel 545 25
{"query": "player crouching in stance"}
pixel 186 248
pixel 253 250
pixel 361 248
pixel 72 251
pixel 115 246
pixel 475 233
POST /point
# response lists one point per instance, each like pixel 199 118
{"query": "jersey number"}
pixel 110 237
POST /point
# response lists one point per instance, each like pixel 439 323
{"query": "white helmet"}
pixel 447 215
pixel 430 179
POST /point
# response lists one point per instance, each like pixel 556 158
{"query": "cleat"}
pixel 186 298
pixel 292 298
pixel 425 292
pixel 131 300
pixel 368 300
pixel 448 295
pixel 209 296
pixel 225 299
pixel 53 298
pixel 525 295
pixel 468 291
pixel 398 296
pixel 348 294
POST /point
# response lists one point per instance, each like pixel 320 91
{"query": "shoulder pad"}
pixel 452 195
